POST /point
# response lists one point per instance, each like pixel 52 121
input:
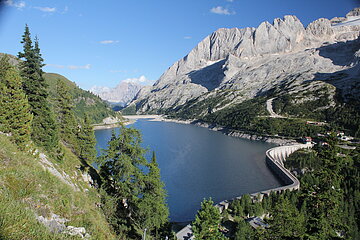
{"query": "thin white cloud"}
pixel 141 80
pixel 87 66
pixel 17 4
pixel 230 0
pixel 72 67
pixel 221 11
pixel 109 41
pixel 187 37
pixel 46 9
pixel 55 65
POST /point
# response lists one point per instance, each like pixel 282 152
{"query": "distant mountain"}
pixel 122 94
pixel 241 64
pixel 84 101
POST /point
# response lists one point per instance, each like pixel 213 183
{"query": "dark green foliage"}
pixel 68 128
pixel 244 231
pixel 243 207
pixel 248 116
pixel 344 115
pixel 286 221
pixel 330 191
pixel 132 185
pixel 239 116
pixel 312 109
pixel 152 210
pixel 15 116
pixel 326 207
pixel 86 142
pixel 130 110
pixel 44 130
pixel 207 222
pixel 84 102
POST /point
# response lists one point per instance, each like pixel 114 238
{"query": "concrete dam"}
pixel 275 158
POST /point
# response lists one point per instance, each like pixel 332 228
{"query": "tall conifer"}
pixel 139 196
pixel 207 222
pixel 87 142
pixel 15 116
pixel 65 115
pixel 152 210
pixel 44 130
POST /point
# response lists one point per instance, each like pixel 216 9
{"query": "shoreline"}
pixel 280 141
pixel 112 125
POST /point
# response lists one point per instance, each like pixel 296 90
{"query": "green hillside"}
pixel 28 191
pixel 316 101
pixel 85 101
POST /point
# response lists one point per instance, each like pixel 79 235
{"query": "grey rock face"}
pixel 255 60
pixel 354 12
pixel 123 93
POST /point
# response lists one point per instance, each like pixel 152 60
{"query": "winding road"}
pixel 269 108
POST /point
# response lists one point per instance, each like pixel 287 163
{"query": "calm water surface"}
pixel 197 163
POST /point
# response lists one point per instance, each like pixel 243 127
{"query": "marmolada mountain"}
pixel 272 59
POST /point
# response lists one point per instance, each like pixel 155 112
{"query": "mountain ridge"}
pixel 256 60
pixel 123 93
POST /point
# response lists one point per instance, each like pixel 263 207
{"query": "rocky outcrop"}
pixel 123 93
pixel 56 224
pixel 255 60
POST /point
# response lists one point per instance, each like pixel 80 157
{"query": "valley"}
pixel 253 134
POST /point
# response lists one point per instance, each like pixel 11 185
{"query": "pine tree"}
pixel 287 222
pixel 152 210
pixel 44 130
pixel 140 202
pixel 15 116
pixel 244 231
pixel 207 222
pixel 66 117
pixel 86 142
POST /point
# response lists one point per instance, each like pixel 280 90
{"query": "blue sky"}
pixel 104 42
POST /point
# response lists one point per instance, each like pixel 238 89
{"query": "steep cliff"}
pixel 255 61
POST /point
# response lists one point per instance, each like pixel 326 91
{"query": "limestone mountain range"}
pixel 122 94
pixel 255 61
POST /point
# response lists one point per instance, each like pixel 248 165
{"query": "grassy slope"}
pixel 85 102
pixel 26 188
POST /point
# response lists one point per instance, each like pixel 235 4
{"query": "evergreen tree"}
pixel 86 142
pixel 207 222
pixel 152 210
pixel 44 130
pixel 15 116
pixel 65 116
pixel 244 231
pixel 139 196
pixel 286 222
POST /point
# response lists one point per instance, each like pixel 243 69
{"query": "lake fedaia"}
pixel 198 163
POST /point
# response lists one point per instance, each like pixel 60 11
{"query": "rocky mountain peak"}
pixel 320 28
pixel 353 13
pixel 123 93
pixel 254 60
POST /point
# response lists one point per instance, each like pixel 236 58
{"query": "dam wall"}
pixel 275 158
